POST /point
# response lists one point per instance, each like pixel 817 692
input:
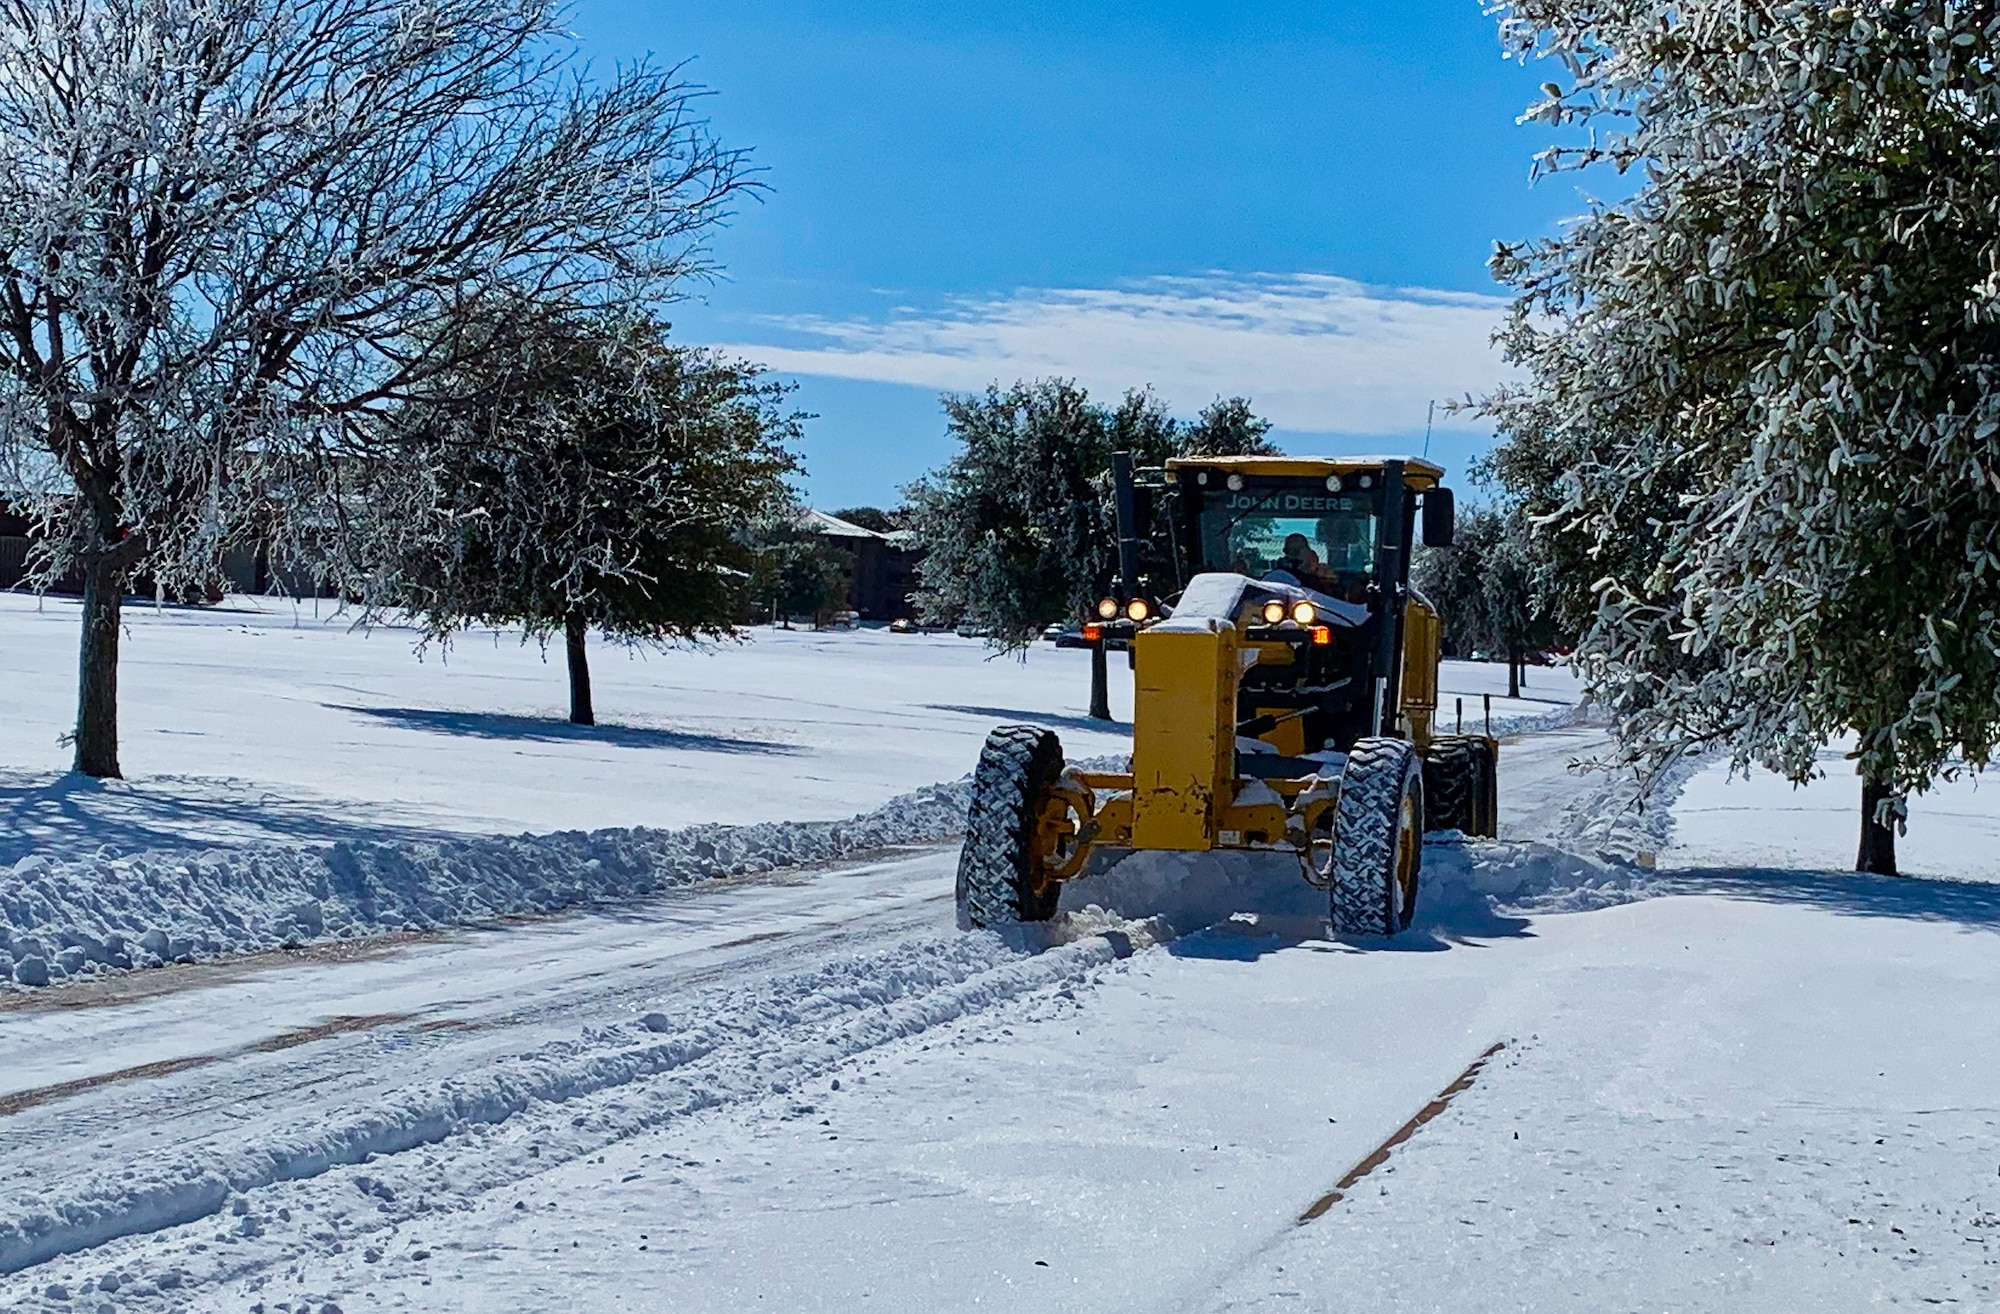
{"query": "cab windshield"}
pixel 1325 541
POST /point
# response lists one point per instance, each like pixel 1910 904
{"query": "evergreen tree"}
pixel 589 475
pixel 795 572
pixel 1226 427
pixel 1019 527
pixel 1011 525
pixel 1761 421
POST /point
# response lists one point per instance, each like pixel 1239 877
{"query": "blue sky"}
pixel 1293 201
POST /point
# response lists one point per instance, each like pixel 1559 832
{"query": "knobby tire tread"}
pixel 1453 798
pixel 1365 896
pixel 995 865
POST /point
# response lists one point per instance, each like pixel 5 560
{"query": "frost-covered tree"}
pixel 1486 590
pixel 1761 422
pixel 1019 527
pixel 1226 427
pixel 231 228
pixel 1012 525
pixel 582 474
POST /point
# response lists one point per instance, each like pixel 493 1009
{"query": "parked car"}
pixel 903 625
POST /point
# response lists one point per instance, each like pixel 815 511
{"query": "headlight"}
pixel 1333 483
pixel 1236 483
pixel 1137 609
pixel 1107 609
pixel 1304 613
pixel 1273 612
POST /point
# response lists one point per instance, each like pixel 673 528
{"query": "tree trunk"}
pixel 575 629
pixel 1878 842
pixel 1100 684
pixel 1513 672
pixel 97 671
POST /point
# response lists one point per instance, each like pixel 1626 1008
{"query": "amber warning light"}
pixel 1322 635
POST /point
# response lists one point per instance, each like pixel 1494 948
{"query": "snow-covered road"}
pixel 1761 1091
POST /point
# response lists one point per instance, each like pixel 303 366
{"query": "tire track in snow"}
pixel 724 1045
pixel 1380 1154
pixel 108 1125
pixel 21 1101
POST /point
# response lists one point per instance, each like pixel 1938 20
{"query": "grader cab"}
pixel 1283 694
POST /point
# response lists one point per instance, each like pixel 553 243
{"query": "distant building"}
pixel 883 567
pixel 246 569
pixel 14 542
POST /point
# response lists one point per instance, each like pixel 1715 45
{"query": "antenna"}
pixel 1429 415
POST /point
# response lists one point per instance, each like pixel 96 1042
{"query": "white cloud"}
pixel 1313 353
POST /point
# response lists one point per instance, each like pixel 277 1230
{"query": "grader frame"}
pixel 1282 708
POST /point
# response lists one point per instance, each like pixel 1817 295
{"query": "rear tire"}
pixel 1489 789
pixel 999 872
pixel 1459 785
pixel 1378 839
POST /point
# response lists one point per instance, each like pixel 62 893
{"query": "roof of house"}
pixel 819 522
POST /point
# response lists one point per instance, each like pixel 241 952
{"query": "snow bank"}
pixel 1467 880
pixel 1616 821
pixel 1611 837
pixel 60 920
pixel 63 919
pixel 1526 723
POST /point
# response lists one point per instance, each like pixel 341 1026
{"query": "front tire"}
pixel 1378 839
pixel 1001 873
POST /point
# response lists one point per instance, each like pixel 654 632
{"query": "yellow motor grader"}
pixel 1283 693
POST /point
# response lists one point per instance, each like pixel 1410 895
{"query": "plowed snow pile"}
pixel 60 920
pixel 64 919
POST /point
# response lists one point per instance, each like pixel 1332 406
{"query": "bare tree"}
pixel 233 228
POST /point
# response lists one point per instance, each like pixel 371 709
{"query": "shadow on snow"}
pixel 1240 907
pixel 1015 716
pixel 71 816
pixel 1912 898
pixel 550 730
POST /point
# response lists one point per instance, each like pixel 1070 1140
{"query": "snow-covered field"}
pixel 257 721
pixel 248 722
pixel 1742 1081
pixel 1765 821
